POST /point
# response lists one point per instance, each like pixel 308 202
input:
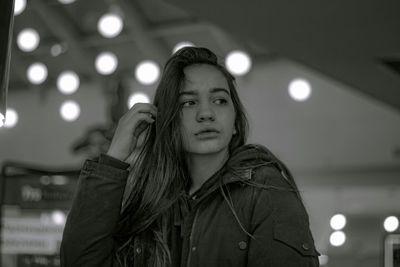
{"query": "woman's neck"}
pixel 202 167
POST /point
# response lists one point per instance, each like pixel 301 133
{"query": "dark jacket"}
pixel 246 214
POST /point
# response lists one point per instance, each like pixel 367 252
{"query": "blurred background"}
pixel 320 82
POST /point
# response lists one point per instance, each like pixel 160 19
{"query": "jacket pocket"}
pixel 297 237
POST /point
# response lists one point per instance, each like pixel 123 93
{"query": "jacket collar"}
pixel 238 168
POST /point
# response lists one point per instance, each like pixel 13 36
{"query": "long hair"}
pixel 159 175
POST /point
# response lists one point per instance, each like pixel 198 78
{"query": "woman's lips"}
pixel 207 134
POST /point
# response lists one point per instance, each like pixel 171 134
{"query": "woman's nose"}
pixel 205 113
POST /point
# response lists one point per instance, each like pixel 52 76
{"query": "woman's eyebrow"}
pixel 216 90
pixel 213 91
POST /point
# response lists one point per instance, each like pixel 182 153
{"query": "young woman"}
pixel 194 194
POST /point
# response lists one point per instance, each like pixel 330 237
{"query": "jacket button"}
pixel 138 250
pixel 305 246
pixel 242 245
pixel 194 248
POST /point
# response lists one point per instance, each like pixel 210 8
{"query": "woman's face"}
pixel 207 112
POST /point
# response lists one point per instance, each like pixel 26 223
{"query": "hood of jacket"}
pixel 238 167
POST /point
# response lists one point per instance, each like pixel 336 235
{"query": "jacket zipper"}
pixel 191 238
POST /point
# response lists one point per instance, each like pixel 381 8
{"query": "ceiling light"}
pixel 11 118
pixel 181 45
pixel 37 73
pixel 68 82
pixel 238 62
pixel 110 25
pixel 391 224
pixel 300 89
pixel 337 238
pixel 70 110
pixel 106 63
pixel 19 7
pixel 338 221
pixel 147 72
pixel 138 98
pixel 28 40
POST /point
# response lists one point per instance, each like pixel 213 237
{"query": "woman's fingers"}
pixel 130 126
pixel 144 120
pixel 142 108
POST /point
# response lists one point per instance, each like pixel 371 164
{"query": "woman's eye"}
pixel 220 101
pixel 187 103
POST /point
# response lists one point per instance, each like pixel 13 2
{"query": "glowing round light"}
pixel 1 120
pixel 323 259
pixel 181 45
pixel 58 49
pixel 106 63
pixel 19 7
pixel 137 98
pixel 300 89
pixel 338 221
pixel 391 224
pixel 66 2
pixel 37 73
pixel 147 72
pixel 58 217
pixel 70 110
pixel 238 62
pixel 110 25
pixel 11 118
pixel 28 40
pixel 68 82
pixel 337 238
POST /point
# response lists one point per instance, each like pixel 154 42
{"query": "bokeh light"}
pixel 338 221
pixel 238 62
pixel 10 120
pixel 28 39
pixel 58 217
pixel 300 89
pixel 391 223
pixel 70 110
pixel 137 98
pixel 110 25
pixel 19 7
pixel 37 73
pixel 181 45
pixel 68 82
pixel 337 238
pixel 106 63
pixel 147 72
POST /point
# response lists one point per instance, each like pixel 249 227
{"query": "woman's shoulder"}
pixel 271 174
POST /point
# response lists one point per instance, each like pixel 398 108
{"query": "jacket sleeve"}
pixel 87 237
pixel 280 225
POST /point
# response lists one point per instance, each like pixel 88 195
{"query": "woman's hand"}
pixel 130 126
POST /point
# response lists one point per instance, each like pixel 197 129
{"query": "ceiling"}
pixel 152 28
pixel 356 42
pixel 340 139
